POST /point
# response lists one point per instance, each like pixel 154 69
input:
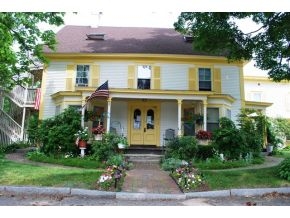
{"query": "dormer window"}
pixel 96 36
pixel 188 38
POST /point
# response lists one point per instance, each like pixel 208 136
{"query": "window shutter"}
pixel 156 77
pixel 70 75
pixel 131 77
pixel 95 75
pixel 192 79
pixel 217 80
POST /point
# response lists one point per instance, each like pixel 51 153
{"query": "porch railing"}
pixel 8 126
pixel 24 97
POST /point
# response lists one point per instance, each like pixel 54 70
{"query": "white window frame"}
pixel 78 78
pixel 144 76
pixel 204 70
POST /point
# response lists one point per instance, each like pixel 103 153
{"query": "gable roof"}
pixel 142 40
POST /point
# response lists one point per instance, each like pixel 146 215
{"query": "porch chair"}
pixel 169 135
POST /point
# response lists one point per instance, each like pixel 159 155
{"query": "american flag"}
pixel 101 91
pixel 37 99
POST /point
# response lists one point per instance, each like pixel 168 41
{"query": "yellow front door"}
pixel 144 124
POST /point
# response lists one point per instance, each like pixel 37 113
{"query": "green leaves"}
pixel 218 34
pixel 21 42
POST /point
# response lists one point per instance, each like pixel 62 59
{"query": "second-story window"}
pixel 82 77
pixel 144 77
pixel 204 75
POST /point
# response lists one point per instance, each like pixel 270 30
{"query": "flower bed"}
pixel 189 179
pixel 112 179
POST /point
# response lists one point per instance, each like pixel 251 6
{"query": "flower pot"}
pixel 269 148
pixel 98 137
pixel 203 141
pixel 121 146
pixel 82 144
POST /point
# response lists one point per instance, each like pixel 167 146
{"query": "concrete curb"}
pixel 212 194
pixel 93 193
pixel 258 191
pixel 140 196
pixel 37 190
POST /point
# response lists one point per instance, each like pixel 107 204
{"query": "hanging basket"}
pixel 82 144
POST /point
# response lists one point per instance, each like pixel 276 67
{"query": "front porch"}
pixel 144 117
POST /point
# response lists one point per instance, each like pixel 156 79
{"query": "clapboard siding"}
pixel 116 73
pixel 119 113
pixel 168 118
pixel 230 77
pixel 55 82
pixel 174 77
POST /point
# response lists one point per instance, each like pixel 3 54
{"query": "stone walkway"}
pixel 149 178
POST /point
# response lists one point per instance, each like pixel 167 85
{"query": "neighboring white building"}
pixel 261 89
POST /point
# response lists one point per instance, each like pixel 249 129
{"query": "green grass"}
pixel 24 174
pixel 217 164
pixel 254 178
pixel 70 161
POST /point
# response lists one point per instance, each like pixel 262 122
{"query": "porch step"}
pixel 144 150
pixel 144 158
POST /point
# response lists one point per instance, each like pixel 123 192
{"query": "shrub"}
pixel 32 130
pixel 105 148
pixel 284 169
pixel 170 164
pixel 204 152
pixel 56 134
pixel 229 140
pixel 183 148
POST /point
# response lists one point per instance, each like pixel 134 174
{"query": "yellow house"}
pixel 156 82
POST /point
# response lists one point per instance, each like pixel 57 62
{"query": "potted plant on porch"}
pixel 122 142
pixel 203 137
pixel 82 137
pixel 98 132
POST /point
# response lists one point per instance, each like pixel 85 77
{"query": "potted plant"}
pixel 122 142
pixel 203 137
pixel 82 137
pixel 98 132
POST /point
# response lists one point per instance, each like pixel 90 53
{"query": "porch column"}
pixel 204 102
pixel 23 114
pixel 83 113
pixel 109 114
pixel 179 101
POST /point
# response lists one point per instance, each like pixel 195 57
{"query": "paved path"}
pixel 149 178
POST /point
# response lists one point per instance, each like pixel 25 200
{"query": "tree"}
pixel 22 44
pixel 219 34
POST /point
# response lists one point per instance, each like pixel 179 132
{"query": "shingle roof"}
pixel 73 39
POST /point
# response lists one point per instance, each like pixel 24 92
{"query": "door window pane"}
pixel 137 119
pixel 150 119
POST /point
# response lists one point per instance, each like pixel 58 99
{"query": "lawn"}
pixel 25 174
pixel 254 178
